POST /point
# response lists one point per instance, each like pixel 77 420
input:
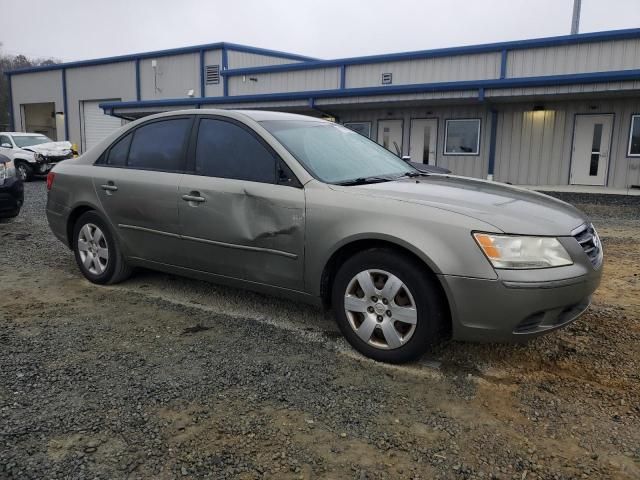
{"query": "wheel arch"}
pixel 354 245
pixel 76 212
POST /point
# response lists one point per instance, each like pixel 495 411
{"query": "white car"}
pixel 33 153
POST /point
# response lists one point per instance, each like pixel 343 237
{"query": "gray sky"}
pixel 81 29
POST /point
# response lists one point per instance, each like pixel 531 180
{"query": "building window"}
pixel 634 137
pixel 462 137
pixel 363 128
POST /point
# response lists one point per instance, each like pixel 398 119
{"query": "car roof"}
pixel 256 115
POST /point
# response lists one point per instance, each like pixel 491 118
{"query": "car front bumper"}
pixel 513 310
pixel 11 197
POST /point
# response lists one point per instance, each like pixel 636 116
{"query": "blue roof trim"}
pixel 446 52
pixel 163 53
pixel 578 78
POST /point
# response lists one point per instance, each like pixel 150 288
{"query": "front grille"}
pixel 588 239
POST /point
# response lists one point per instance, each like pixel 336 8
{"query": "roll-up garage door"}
pixel 95 124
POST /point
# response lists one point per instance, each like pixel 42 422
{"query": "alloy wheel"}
pixel 93 249
pixel 380 309
pixel 22 171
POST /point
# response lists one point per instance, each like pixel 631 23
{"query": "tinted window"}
pixel 159 145
pixel 118 153
pixel 226 150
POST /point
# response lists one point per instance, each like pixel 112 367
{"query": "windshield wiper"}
pixel 364 181
pixel 413 175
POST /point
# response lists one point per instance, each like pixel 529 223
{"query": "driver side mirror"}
pixel 406 158
pixel 6 145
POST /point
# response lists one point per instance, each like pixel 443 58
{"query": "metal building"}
pixel 552 111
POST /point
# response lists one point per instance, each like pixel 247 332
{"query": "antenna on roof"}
pixel 575 20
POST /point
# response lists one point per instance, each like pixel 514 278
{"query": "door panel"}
pixel 590 153
pixel 423 140
pixel 390 135
pixel 142 207
pixel 247 230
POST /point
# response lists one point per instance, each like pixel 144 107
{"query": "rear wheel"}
pixel 97 254
pixel 24 171
pixel 387 307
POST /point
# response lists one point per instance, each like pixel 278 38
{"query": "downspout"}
pixel 492 143
pixel 11 121
pixel 64 104
pixel 312 105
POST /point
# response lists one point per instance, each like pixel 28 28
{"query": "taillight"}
pixel 50 177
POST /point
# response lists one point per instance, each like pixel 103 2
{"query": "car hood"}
pixel 50 148
pixel 510 209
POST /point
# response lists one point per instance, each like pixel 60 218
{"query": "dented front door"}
pixel 246 230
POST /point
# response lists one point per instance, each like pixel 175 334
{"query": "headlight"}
pixel 38 156
pixel 507 251
pixel 7 169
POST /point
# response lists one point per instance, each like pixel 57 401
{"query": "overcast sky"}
pixel 81 29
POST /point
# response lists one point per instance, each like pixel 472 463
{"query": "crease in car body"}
pixel 261 219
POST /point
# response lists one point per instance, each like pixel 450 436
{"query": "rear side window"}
pixel 118 153
pixel 226 150
pixel 159 145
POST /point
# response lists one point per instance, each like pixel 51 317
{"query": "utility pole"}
pixel 575 20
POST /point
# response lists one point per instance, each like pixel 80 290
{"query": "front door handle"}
pixel 109 187
pixel 193 197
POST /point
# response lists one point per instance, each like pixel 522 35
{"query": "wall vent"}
pixel 213 74
pixel 387 79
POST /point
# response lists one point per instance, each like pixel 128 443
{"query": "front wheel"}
pixel 388 307
pixel 24 171
pixel 97 254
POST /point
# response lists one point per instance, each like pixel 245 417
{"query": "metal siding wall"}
pixel 466 165
pixel 564 89
pixel 213 57
pixel 37 87
pixel 101 82
pixel 534 148
pixel 411 97
pixel 176 75
pixel 245 59
pixel 456 68
pixel 294 81
pixel 579 58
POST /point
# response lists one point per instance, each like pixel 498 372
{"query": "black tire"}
pixel 24 171
pixel 116 269
pixel 432 313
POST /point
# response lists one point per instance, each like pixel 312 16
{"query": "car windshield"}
pixel 335 154
pixel 30 140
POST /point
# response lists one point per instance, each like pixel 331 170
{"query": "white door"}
pixel 590 154
pixel 390 135
pixel 95 124
pixel 422 140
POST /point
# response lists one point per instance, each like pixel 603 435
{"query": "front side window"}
pixel 30 140
pixel 634 137
pixel 335 154
pixel 226 150
pixel 159 145
pixel 4 141
pixel 462 137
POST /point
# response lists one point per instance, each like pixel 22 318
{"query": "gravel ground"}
pixel 165 377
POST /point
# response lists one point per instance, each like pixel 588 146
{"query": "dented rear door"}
pixel 246 230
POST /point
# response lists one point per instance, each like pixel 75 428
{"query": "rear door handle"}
pixel 193 197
